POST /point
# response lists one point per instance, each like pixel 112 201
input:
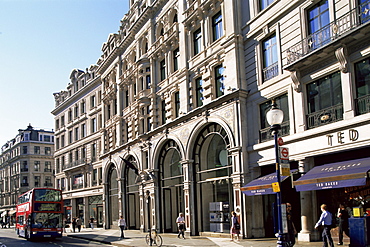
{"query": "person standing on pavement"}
pixel 92 223
pixel 343 222
pixel 74 224
pixel 181 225
pixel 235 227
pixel 78 224
pixel 291 228
pixel 122 225
pixel 326 221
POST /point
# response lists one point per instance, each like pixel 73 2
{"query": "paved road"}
pixel 8 238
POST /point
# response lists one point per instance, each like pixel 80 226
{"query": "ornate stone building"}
pixel 170 129
pixel 26 162
pixel 312 57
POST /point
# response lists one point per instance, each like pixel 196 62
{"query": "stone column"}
pixel 307 202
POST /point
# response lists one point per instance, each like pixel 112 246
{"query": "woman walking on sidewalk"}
pixel 235 227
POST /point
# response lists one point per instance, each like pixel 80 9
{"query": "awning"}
pixel 262 185
pixel 12 211
pixel 335 175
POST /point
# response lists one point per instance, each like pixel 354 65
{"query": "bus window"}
pixel 47 195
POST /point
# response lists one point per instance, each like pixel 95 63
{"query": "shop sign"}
pixel 342 136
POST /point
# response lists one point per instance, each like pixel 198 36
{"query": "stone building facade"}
pixel 312 57
pixel 26 162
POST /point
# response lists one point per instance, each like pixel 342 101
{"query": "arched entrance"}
pixel 213 187
pixel 171 184
pixel 112 196
pixel 131 202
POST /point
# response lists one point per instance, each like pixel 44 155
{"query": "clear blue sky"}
pixel 41 42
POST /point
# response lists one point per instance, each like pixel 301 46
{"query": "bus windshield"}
pixel 47 195
pixel 46 220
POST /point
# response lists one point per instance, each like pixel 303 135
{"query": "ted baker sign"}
pixel 342 137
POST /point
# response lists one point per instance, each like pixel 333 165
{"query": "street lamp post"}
pixel 275 117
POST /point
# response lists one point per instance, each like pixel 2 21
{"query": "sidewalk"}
pixel 136 238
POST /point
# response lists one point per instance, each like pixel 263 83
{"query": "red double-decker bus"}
pixel 40 214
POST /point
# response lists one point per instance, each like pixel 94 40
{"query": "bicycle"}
pixel 153 238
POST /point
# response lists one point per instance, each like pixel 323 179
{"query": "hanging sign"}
pixel 275 187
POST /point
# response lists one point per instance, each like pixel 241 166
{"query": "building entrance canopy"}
pixel 335 175
pixel 262 185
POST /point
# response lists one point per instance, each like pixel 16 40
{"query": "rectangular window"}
pixel 199 92
pixel 197 41
pixel 126 98
pixel 324 101
pixel 62 141
pixel 62 121
pixel 48 181
pixel 217 26
pixel 163 111
pixel 92 101
pixel 177 104
pixel 47 166
pixel 83 130
pixel 176 56
pixel 282 104
pixel 162 67
pixel 25 149
pixel 76 111
pixel 37 166
pixel 83 107
pixel 47 150
pixel 57 124
pixel 70 137
pixel 93 125
pixel 270 58
pixel 265 3
pixel 47 138
pixel 37 150
pixel 93 152
pixel 318 24
pixel 76 133
pixel 219 81
pixel 37 181
pixel 362 72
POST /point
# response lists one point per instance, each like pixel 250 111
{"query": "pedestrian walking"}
pixel 326 221
pixel 122 225
pixel 343 222
pixel 74 224
pixel 92 223
pixel 181 225
pixel 235 227
pixel 291 228
pixel 78 224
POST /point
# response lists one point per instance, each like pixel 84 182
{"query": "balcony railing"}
pixel 265 134
pixel 74 163
pixel 333 31
pixel 363 104
pixel 325 116
pixel 77 186
pixel 270 71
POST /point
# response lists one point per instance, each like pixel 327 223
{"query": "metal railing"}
pixel 333 31
pixel 270 71
pixel 363 105
pixel 265 134
pixel 326 116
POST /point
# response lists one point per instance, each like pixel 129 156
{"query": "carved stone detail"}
pixel 341 54
pixel 294 75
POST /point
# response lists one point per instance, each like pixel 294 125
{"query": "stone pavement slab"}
pixel 135 238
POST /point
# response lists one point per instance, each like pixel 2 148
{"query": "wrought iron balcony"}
pixel 363 104
pixel 330 33
pixel 265 134
pixel 325 116
pixel 270 71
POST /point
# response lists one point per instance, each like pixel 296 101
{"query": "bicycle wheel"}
pixel 158 240
pixel 147 239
